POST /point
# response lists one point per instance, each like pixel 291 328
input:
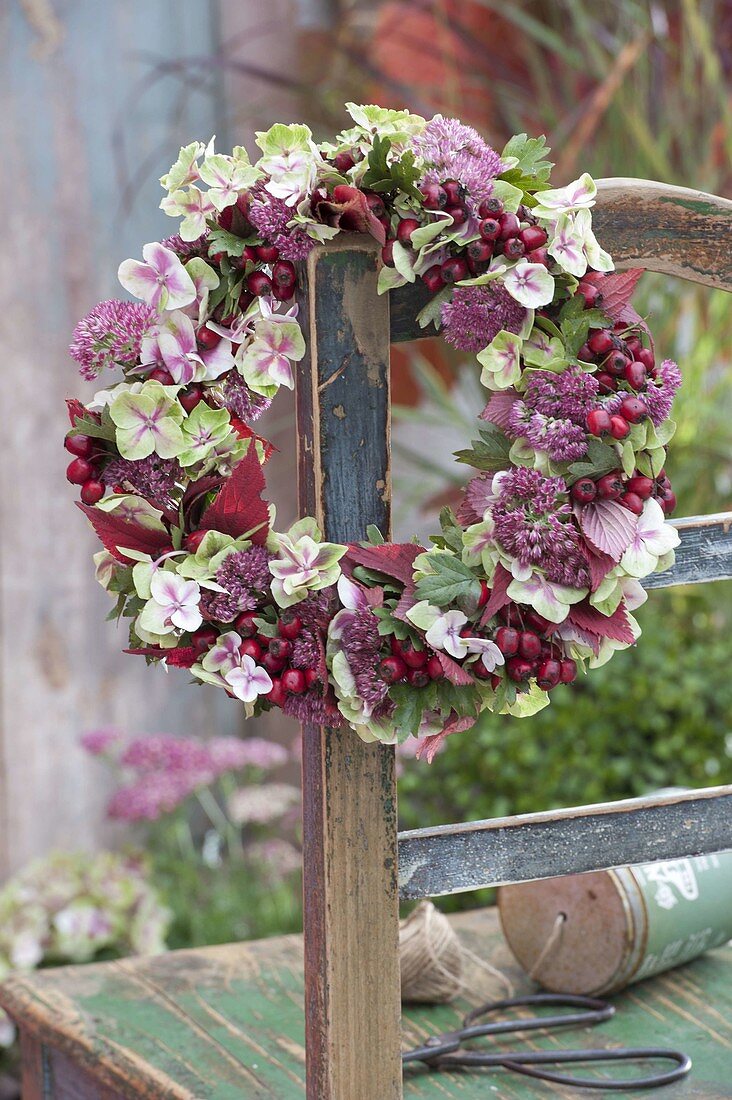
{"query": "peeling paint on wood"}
pixel 449 859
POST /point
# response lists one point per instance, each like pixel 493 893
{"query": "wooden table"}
pixel 226 1023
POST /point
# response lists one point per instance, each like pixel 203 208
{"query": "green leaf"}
pixel 400 175
pixel 452 533
pixel 601 459
pixel 374 536
pixel 530 154
pixel 86 425
pixel 490 452
pixel 409 707
pixel 450 582
pixel 220 240
pixel 575 322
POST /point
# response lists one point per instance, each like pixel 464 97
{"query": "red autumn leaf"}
pixel 454 672
pixel 75 410
pixel 599 565
pixel 617 289
pixel 117 534
pixel 477 498
pixel 498 596
pixel 239 507
pixel 394 559
pixel 348 209
pixel 429 748
pixel 407 601
pixel 608 526
pixel 179 657
pixel 498 409
pixel 616 626
pixel 245 432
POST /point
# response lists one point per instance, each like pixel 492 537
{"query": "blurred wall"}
pixel 95 99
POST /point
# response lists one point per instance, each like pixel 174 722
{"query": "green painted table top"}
pixel 225 1023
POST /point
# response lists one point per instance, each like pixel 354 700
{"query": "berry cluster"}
pixel 527 645
pixel 85 468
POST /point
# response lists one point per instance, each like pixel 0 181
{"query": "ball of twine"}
pixel 434 963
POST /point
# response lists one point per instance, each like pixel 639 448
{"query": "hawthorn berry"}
pixel 92 491
pixel 610 487
pixel 489 229
pixel 454 269
pixel 598 422
pixel 418 677
pixel 601 341
pixel 392 669
pixel 161 375
pixel 272 663
pixel 519 669
pixel 513 248
pixel 387 253
pixel 193 540
pixel 548 674
pixel 584 490
pixel 454 191
pixel 259 284
pixel 207 338
pixel 245 624
pixel 490 208
pixel 250 647
pixel 435 197
pixel 79 470
pixel 619 427
pixel 616 363
pixel 633 409
pixel 280 648
pixel 267 253
pixel 641 486
pixel 434 668
pixel 529 645
pixel 276 694
pixel 191 396
pixel 289 625
pixel 343 162
pixel 647 358
pixel 204 638
pixel 507 640
pixel 80 445
pixel 432 278
pixel 533 237
pixel 293 681
pixel 539 256
pixel 284 274
pixel 510 226
pixel 568 670
pixel 632 502
pixel 635 375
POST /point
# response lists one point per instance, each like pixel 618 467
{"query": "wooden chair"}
pixel 227 1022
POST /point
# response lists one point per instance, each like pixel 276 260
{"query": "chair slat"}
pixel 705 553
pixel 450 859
pixel 674 230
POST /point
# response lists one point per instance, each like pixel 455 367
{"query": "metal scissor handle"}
pixel 445 1051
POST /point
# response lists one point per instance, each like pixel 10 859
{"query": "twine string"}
pixel 553 941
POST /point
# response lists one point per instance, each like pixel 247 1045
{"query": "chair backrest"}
pixel 351 884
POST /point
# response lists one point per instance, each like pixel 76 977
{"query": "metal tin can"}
pixel 598 932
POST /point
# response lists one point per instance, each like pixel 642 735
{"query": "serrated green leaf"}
pixel 529 154
pixel 220 240
pixel 451 582
pixel 601 459
pixel 490 452
pixel 85 425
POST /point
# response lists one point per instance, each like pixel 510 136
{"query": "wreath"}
pixel 536 575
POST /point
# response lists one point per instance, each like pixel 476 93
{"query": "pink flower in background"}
pixel 101 741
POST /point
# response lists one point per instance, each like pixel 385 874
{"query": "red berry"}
pixel 569 670
pixel 413 657
pixel 590 293
pixel 619 427
pixel 513 248
pixel 601 341
pixel 435 197
pixel 548 674
pixel 283 293
pixel 519 669
pixel 610 487
pixel 507 640
pixel 457 213
pixel 204 638
pixel 405 229
pixel 293 681
pixel 535 620
pixel 387 253
pixel 598 422
pixel 434 668
pixel 78 471
pixel 606 382
pixel 616 363
pixel 641 486
pixel 432 278
pixel 418 677
pixel 259 283
pixel 490 229
pixel 273 664
pixel 510 226
pixel 250 647
pixel 392 669
pixel 161 375
pixel 312 677
pixel 529 644
pixel 375 203
pixel 191 396
pixel 249 253
pixel 289 626
pixel 267 253
pixel 226 217
pixel 646 357
pixel 539 256
pixel 194 539
pixel 632 502
pixel 207 338
pixel 454 269
pixel 80 445
pixel 92 491
pixel 480 252
pixel 478 669
pixel 245 624
pixel 454 191
pixel 284 274
pixel 584 491
pixel 490 208
pixel 634 346
pixel 633 409
pixel 533 237
pixel 635 375
pixel 343 162
pixel 668 502
pixel 276 695
pixel 280 648
pixel 585 354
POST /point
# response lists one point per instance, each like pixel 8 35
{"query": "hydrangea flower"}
pixel 575 247
pixel 529 284
pixel 161 280
pixel 291 160
pixel 266 362
pixel 501 361
pixel 173 604
pixel 443 631
pixel 172 344
pixel 653 539
pixel 248 680
pixel 553 601
pixel 205 430
pixel 148 421
pixel 302 563
pixel 193 206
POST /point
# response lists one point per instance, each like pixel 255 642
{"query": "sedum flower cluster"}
pixel 532 581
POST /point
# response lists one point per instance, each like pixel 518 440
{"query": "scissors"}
pixel 446 1051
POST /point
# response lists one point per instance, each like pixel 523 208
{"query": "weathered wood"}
pixel 705 553
pixel 349 799
pixel 656 226
pixel 226 1023
pixel 448 859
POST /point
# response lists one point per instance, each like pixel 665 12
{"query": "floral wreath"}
pixel 536 575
